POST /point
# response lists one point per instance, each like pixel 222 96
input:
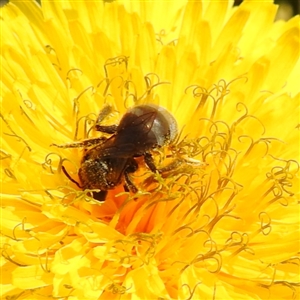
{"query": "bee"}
pixel 109 161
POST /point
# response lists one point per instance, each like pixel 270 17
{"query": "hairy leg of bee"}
pixel 106 129
pixel 82 144
pixel 176 163
pixel 172 165
pixel 106 110
pixel 129 186
pixel 150 162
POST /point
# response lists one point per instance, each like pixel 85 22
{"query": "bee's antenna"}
pixel 67 174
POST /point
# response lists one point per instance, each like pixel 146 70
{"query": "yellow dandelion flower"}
pixel 224 224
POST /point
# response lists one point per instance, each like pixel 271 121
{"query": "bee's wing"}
pixel 132 138
pixel 141 124
pixel 112 147
pixel 124 150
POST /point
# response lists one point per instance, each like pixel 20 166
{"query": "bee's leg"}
pixel 129 186
pixel 106 129
pixel 150 162
pixel 82 144
pixel 106 110
pixel 176 163
pixel 172 165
